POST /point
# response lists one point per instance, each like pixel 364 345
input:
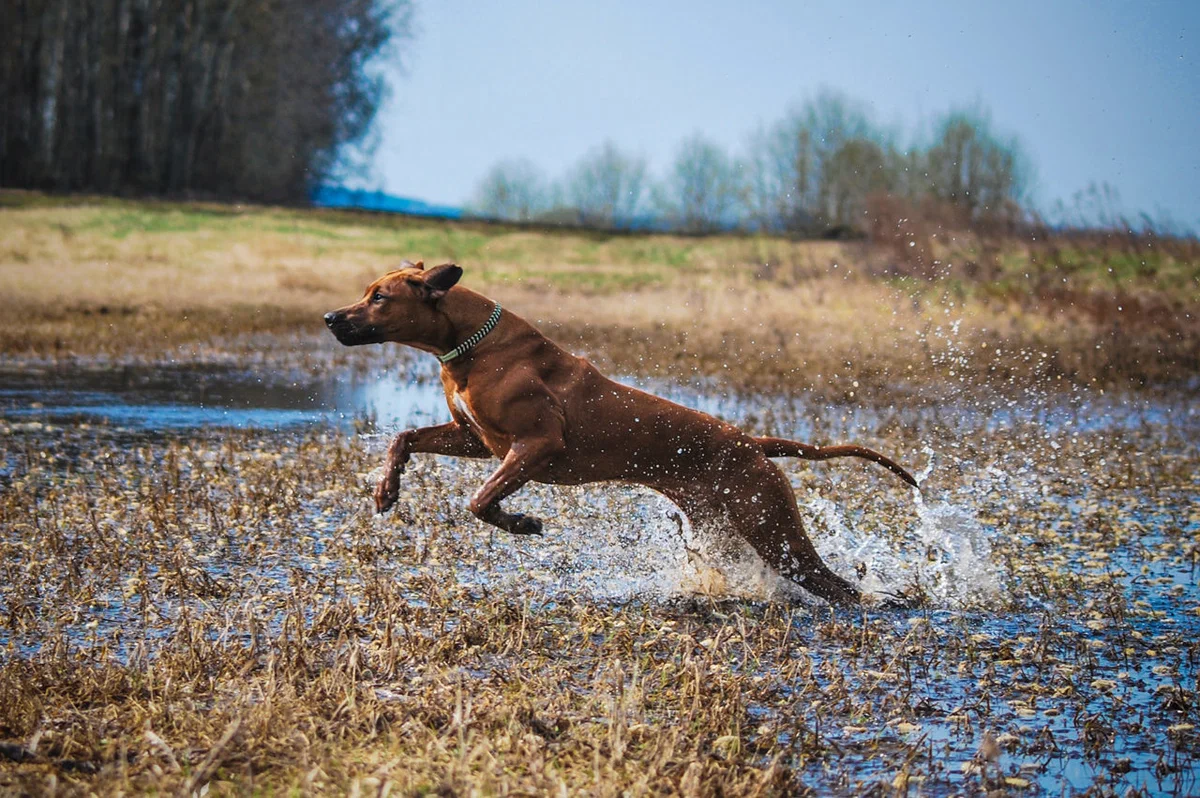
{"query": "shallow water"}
pixel 161 398
pixel 1090 683
pixel 214 396
pixel 955 566
pixel 191 396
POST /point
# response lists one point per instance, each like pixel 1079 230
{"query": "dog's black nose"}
pixel 330 318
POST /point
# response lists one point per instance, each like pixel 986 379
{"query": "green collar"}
pixel 473 341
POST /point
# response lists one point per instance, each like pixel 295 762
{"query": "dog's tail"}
pixel 779 447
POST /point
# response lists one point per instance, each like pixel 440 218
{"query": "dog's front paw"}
pixel 386 493
pixel 526 525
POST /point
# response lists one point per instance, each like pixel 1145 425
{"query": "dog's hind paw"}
pixel 385 500
pixel 901 601
pixel 525 525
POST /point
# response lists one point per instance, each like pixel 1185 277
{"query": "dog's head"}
pixel 400 306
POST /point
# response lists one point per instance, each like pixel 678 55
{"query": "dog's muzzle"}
pixel 347 332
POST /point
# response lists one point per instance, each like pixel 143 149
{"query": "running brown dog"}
pixel 554 418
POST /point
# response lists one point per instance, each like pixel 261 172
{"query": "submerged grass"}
pixel 221 610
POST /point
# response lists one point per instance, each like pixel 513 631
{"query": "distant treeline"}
pixel 252 99
pixel 816 171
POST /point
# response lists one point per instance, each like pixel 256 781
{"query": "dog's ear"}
pixel 408 264
pixel 441 279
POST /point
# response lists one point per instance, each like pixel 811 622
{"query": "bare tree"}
pixel 606 187
pixel 240 98
pixel 702 189
pixel 851 173
pixel 970 166
pixel 814 169
pixel 788 187
pixel 908 170
pixel 774 188
pixel 512 190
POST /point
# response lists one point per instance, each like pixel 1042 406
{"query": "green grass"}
pixel 587 281
pixel 1093 263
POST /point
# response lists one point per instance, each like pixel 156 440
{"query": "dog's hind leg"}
pixel 522 463
pixel 773 526
pixel 761 508
pixel 781 447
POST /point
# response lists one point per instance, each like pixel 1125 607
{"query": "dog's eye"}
pixel 377 297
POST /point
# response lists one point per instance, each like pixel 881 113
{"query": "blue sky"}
pixel 1097 91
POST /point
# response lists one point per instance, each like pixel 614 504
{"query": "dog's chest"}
pixel 460 403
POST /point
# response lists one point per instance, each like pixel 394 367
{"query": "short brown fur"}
pixel 552 417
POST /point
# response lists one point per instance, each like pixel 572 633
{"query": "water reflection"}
pixel 146 398
pixel 149 399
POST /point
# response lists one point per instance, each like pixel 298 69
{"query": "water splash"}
pixel 616 543
pixel 945 557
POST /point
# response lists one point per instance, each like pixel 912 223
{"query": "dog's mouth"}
pixel 350 334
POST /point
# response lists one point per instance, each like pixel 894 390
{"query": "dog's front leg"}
pixel 522 463
pixel 448 439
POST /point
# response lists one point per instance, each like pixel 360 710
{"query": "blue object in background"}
pixel 340 197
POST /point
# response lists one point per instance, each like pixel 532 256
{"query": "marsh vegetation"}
pixel 204 600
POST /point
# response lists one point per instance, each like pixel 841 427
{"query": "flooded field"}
pixel 196 592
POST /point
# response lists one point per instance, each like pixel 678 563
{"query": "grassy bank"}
pixel 82 276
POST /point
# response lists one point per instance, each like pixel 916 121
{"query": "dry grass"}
pixel 125 278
